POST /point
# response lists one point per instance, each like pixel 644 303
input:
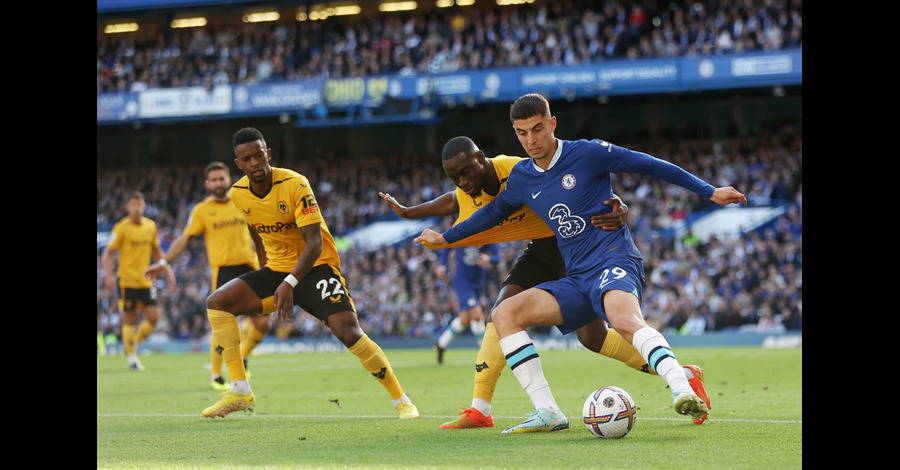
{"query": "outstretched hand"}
pixel 154 270
pixel 727 195
pixel 400 209
pixel 430 236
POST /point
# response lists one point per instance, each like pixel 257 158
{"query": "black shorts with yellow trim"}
pixel 321 292
pixel 223 274
pixel 133 298
pixel 540 262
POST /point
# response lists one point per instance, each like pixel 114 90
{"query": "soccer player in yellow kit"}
pixel 232 249
pixel 480 180
pixel 303 268
pixel 134 238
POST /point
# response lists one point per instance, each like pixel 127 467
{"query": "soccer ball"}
pixel 609 413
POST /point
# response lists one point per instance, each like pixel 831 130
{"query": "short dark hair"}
pixel 529 105
pixel 245 135
pixel 216 166
pixel 458 145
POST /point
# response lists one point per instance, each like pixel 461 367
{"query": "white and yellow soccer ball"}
pixel 609 413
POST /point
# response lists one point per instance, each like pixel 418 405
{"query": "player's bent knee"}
pixel 504 319
pixel 238 299
pixel 627 325
pixel 589 341
pixel 216 301
pixel 345 327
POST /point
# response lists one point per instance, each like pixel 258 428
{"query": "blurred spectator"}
pixel 790 319
pixel 694 325
pixel 443 40
pixel 768 323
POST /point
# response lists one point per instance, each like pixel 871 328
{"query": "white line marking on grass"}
pixel 257 367
pixel 245 415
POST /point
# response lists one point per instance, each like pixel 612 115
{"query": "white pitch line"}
pixel 240 415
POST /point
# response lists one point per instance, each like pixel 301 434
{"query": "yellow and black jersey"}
pixel 228 241
pixel 276 216
pixel 135 243
pixel 523 224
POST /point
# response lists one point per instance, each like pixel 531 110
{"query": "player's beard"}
pixel 220 193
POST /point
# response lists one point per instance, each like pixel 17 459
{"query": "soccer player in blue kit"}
pixel 565 182
pixel 468 283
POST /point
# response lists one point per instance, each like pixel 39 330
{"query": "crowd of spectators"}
pixel 542 33
pixel 752 281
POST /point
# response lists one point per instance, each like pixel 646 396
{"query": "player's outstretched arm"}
pixel 432 237
pixel 178 246
pixel 727 195
pixel 613 220
pixel 442 205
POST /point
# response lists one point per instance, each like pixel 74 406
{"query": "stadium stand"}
pixel 483 36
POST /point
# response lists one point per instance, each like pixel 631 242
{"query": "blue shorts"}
pixel 580 297
pixel 467 295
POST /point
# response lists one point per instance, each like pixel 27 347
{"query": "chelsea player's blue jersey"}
pixel 570 191
pixel 468 272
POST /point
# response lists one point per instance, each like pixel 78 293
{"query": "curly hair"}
pixel 247 134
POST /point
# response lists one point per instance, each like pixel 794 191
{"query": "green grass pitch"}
pixel 151 419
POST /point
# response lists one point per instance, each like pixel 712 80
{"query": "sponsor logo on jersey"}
pixel 569 224
pixel 274 228
pixel 229 223
pixel 516 218
pixel 310 206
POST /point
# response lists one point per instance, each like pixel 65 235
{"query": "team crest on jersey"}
pixel 282 207
pixel 568 181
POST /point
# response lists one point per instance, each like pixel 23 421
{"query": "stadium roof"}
pixel 134 6
pixel 112 6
